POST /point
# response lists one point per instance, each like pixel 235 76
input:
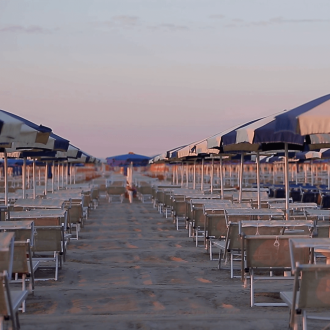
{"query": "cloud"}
pixel 281 20
pixel 169 27
pixel 122 21
pixel 217 16
pixel 32 29
pixel 126 20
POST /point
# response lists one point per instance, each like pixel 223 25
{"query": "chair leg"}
pixel 251 288
pixel 56 266
pixel 304 320
pixel 210 249
pixel 23 288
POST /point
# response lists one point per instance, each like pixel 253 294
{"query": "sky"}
pixel 146 76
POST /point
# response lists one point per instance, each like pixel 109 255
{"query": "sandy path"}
pixel 132 270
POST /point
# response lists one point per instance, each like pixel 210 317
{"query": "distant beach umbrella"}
pixel 126 159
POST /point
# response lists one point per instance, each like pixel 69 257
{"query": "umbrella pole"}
pixel 202 176
pixel 34 178
pixel 177 174
pixel 182 174
pixel 24 177
pixel 221 177
pixel 66 174
pixel 70 174
pixel 46 178
pixel 286 161
pixel 53 173
pixel 187 175
pixel 296 173
pixel 28 176
pixel 58 176
pixel 241 179
pixel 5 170
pixel 62 175
pixel 312 173
pixel 74 174
pixel 212 174
pixel 258 179
pixel 194 183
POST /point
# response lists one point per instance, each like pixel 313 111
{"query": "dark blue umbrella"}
pixel 126 159
pixel 310 118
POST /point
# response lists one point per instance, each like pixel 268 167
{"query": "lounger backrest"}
pixel 86 200
pixel 179 207
pixel 20 262
pixel 21 234
pixel 145 190
pixel 322 230
pixel 48 239
pixel 47 221
pixel 3 297
pixel 314 286
pixel 272 251
pixel 95 193
pixel 198 216
pixel 75 213
pixel 4 261
pixel 216 223
pixel 167 199
pixel 115 190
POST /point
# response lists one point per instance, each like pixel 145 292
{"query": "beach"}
pixel 131 269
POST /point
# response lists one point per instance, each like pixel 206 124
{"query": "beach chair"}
pixel 145 193
pixel 216 228
pixel 24 266
pixel 76 219
pixel 10 302
pixel 268 254
pixel 86 204
pixel 311 292
pixel 49 247
pixel 179 209
pixel 116 194
pixel 95 193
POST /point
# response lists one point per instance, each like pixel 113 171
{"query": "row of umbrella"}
pixel 23 139
pixel 304 128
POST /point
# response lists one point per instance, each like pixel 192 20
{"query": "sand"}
pixel 131 269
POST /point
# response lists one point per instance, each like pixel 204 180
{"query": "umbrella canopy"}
pixel 196 149
pixel 216 141
pixel 310 118
pixel 260 135
pixel 17 129
pixel 127 159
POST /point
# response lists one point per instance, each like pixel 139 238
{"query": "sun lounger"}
pixel 30 204
pixel 310 295
pixel 116 193
pixel 23 229
pixel 24 266
pixel 49 247
pixel 10 301
pixel 6 251
pixel 268 254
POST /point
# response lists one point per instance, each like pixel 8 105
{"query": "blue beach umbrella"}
pixel 311 118
pixel 126 159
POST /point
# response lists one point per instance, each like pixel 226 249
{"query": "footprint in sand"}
pixel 177 259
pixel 203 280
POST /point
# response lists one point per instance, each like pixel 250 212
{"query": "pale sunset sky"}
pixel 114 76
